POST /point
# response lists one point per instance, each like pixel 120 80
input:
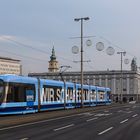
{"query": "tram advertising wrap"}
pixel 21 95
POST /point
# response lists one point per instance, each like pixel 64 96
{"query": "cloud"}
pixel 5 38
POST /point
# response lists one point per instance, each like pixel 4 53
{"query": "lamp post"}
pixel 81 20
pixel 61 72
pixel 122 53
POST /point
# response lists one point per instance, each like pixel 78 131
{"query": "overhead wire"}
pixel 19 44
pixel 42 51
pixel 29 46
pixel 117 46
pixel 23 56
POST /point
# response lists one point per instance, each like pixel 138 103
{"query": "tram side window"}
pixel 52 93
pixel 1 90
pixel 109 94
pixel 93 95
pixel 17 92
pixel 79 94
pixel 101 94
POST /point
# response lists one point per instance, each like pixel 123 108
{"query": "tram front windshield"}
pixel 1 90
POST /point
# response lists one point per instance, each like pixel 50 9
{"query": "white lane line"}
pixel 88 114
pixel 129 112
pixel 105 131
pixel 99 115
pixel 124 121
pixel 92 119
pixel 37 122
pixel 16 126
pixel 135 115
pixel 127 109
pixel 67 126
pixel 108 114
pixel 102 114
pixel 24 139
pixel 106 110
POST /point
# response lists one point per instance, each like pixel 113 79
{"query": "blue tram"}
pixel 21 95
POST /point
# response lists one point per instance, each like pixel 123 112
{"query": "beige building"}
pixel 10 66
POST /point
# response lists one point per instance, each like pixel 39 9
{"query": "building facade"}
pixel 10 66
pixel 125 85
pixel 130 81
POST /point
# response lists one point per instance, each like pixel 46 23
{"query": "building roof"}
pixel 85 73
pixel 6 58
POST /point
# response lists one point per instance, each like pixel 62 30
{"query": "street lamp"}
pixel 77 20
pixel 61 72
pixel 122 53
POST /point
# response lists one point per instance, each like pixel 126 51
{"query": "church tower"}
pixel 53 64
pixel 134 65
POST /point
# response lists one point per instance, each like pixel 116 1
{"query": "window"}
pixel 108 94
pixel 70 94
pixel 52 93
pixel 1 90
pixel 17 92
pixel 93 95
pixel 79 94
pixel 85 94
pixel 103 82
pixel 101 94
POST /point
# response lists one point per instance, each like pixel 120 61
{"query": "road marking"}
pixel 135 115
pixel 92 119
pixel 106 110
pixel 127 109
pixel 102 114
pixel 108 114
pixel 124 121
pixel 129 112
pixel 67 126
pixel 37 122
pixel 105 131
pixel 88 114
pixel 24 139
pixel 42 121
pixel 120 111
pixel 98 115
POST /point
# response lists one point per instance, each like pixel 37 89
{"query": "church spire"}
pixel 53 63
pixel 53 57
pixel 134 65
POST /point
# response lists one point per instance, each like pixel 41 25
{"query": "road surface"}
pixel 110 123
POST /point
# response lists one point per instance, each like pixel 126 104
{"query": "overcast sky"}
pixel 30 28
